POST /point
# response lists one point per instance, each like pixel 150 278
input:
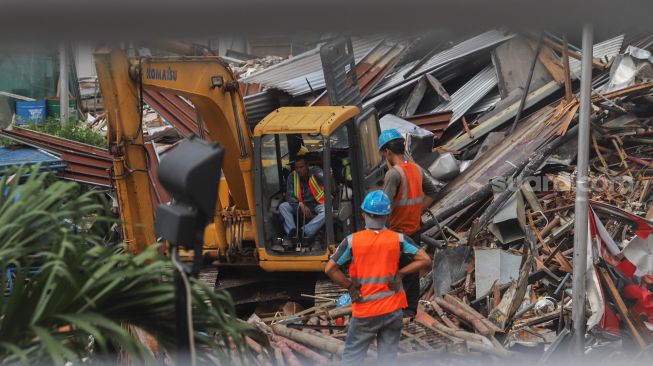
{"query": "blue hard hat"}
pixel 377 203
pixel 343 300
pixel 387 136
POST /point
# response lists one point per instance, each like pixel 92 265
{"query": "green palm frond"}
pixel 68 287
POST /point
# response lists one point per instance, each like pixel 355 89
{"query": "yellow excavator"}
pixel 340 139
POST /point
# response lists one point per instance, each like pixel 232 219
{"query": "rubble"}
pixel 245 68
pixel 501 229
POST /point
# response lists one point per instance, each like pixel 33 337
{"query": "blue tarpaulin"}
pixel 28 156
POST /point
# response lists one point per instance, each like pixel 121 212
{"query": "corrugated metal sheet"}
pixel 470 93
pixel 259 105
pixel 291 75
pixel 84 163
pixel 175 110
pixel 464 48
pixel 394 79
pixel 494 119
pixel 486 103
pixel 441 59
pixel 444 75
pixel 372 68
pixel 436 123
pixel 608 48
pixel 28 156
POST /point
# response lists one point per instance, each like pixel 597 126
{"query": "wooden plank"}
pixel 622 308
pixel 332 346
pixel 454 300
pixel 512 298
pixel 539 319
pixel 496 294
pixel 468 317
pixel 466 126
pixel 304 312
pixel 574 54
pixel 549 60
pixel 565 66
pixel 622 154
pixel 474 341
pixel 442 315
pixel 625 91
pixel 568 118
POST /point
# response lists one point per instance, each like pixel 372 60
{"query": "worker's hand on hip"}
pixel 355 292
pixel 396 284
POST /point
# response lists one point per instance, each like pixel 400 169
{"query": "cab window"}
pixel 369 132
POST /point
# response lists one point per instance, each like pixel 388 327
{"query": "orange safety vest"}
pixel 375 262
pixel 407 203
pixel 316 188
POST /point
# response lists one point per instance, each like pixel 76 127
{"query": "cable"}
pixel 189 308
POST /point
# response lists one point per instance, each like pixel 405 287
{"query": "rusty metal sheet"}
pixel 175 110
pixel 249 88
pixel 372 68
pixel 158 193
pixel 436 122
pixel 84 163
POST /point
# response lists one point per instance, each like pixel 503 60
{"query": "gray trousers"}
pixel 385 328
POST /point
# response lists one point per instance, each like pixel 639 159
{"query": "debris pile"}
pixel 508 222
pixel 493 119
pixel 248 67
pixel 500 124
pixel 317 335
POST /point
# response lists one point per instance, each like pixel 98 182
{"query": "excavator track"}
pixel 250 286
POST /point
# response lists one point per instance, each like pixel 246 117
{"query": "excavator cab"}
pixel 339 140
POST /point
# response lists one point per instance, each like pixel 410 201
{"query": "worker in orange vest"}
pixel 305 193
pixel 410 189
pixel 375 286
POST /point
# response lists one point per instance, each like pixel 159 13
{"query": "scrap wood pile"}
pixel 507 223
pixel 316 335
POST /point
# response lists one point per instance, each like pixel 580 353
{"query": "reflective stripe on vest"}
pixel 407 203
pixel 316 189
pixel 375 262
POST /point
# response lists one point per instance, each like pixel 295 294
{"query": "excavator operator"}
pixel 304 201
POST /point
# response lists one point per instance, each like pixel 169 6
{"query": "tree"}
pixel 70 297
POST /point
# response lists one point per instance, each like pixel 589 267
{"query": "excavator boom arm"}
pixel 125 136
pixel 209 84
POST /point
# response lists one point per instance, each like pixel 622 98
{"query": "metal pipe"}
pixel 582 208
pixel 63 84
pixel 528 83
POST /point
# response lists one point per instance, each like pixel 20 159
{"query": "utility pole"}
pixel 582 208
pixel 63 84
